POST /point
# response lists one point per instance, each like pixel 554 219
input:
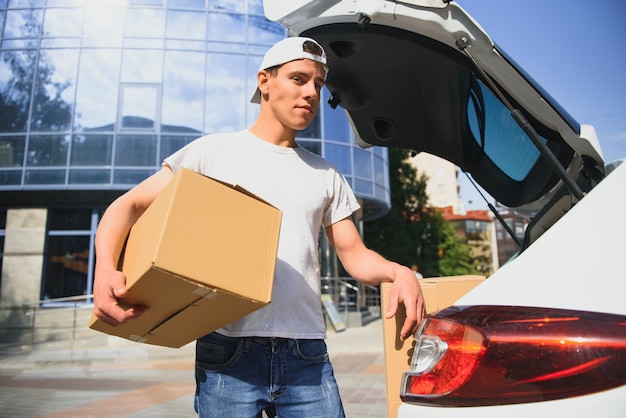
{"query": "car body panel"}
pixel 584 251
pixel 610 403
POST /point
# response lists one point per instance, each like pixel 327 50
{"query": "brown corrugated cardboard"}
pixel 201 256
pixel 439 293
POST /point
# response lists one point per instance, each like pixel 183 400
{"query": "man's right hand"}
pixel 109 288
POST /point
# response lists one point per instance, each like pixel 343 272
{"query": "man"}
pixel 274 359
pixel 415 270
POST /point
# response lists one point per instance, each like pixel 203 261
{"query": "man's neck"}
pixel 275 133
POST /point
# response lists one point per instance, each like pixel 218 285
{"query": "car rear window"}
pixel 498 135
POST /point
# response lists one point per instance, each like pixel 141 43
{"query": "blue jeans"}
pixel 241 377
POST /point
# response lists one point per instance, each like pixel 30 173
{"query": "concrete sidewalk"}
pixel 119 378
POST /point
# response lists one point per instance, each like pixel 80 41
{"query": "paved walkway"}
pixel 131 380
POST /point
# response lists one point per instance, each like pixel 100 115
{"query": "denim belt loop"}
pixel 246 341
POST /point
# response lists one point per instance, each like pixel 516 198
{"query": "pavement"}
pixel 119 378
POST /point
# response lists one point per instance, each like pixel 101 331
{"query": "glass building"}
pixel 95 93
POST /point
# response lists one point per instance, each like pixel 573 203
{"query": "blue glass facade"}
pixel 95 93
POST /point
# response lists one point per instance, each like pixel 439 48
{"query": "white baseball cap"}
pixel 287 50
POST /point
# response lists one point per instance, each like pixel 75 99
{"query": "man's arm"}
pixel 370 268
pixel 120 216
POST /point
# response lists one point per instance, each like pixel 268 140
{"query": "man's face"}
pixel 294 92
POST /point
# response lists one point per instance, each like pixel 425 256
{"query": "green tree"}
pixel 412 232
pixel 455 255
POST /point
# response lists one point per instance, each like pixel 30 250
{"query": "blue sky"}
pixel 575 50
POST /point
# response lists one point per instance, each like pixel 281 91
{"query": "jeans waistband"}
pixel 274 341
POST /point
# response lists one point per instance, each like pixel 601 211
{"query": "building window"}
pixel 139 107
pixel 314 146
pixel 69 254
pixel 340 156
pixel 146 2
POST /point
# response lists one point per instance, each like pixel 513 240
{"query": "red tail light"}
pixel 488 355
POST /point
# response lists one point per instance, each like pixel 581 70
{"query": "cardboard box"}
pixel 201 256
pixel 439 293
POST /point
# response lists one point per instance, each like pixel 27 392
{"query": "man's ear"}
pixel 263 78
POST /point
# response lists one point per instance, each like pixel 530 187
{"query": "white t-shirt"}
pixel 309 191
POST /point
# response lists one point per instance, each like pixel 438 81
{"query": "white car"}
pixel 547 332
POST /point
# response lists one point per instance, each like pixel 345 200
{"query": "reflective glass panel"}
pixel 146 22
pixel 26 3
pixel 183 92
pixel 10 178
pixel 23 23
pixel 91 150
pixel 47 151
pixel 12 151
pixel 186 25
pixel 363 187
pixel 90 176
pixel 380 171
pixel 226 27
pixel 110 3
pixel 44 177
pixel 185 45
pixel 362 163
pixel 139 107
pixel 97 91
pixel 63 22
pixel 147 2
pixel 226 95
pixel 60 43
pixel 54 90
pixel 187 4
pixel 264 31
pixel 382 193
pixel 102 42
pixel 228 5
pixel 340 156
pixel 103 22
pixel 136 43
pixel 314 147
pixel 131 177
pixel 171 144
pixel 17 69
pixel 255 7
pixel 336 125
pixel 142 66
pixel 61 3
pixel 135 150
pixel 380 178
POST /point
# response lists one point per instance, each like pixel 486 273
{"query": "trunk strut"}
pixel 463 44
